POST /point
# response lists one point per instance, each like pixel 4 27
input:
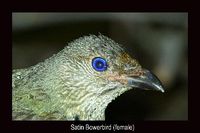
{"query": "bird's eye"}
pixel 99 64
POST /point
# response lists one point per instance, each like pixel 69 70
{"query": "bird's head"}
pixel 100 68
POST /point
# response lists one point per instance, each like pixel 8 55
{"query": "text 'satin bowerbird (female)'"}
pixel 79 82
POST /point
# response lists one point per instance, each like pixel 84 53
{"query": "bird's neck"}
pixel 87 105
pixel 94 108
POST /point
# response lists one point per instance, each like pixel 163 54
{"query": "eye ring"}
pixel 99 64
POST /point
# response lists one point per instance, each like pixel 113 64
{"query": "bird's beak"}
pixel 146 81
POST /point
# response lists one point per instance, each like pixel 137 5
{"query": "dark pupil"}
pixel 99 64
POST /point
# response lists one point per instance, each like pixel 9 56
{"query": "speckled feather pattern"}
pixel 66 87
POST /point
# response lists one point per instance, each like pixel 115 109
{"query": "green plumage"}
pixel 66 87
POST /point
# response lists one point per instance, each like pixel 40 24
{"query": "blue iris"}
pixel 99 64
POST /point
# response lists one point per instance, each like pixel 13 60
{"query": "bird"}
pixel 78 82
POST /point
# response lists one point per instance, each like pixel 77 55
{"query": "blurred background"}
pixel 159 41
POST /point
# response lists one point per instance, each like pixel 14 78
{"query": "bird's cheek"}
pixel 117 78
pixel 123 77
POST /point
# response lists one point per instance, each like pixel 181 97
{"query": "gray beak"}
pixel 146 81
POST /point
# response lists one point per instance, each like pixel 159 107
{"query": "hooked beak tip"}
pixel 146 81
